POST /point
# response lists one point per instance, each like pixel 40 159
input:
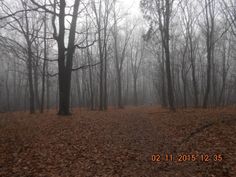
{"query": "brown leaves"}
pixel 115 143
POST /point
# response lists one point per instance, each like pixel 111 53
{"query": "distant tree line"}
pixel 89 53
pixel 194 43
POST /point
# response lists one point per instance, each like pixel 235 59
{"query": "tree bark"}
pixel 209 44
pixel 44 64
pixel 167 54
pixel 65 60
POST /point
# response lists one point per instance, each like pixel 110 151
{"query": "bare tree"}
pixel 189 24
pixel 44 62
pixel 160 13
pixel 210 18
pixel 137 54
pixel 27 28
pixel 102 13
pixel 65 54
pixel 120 53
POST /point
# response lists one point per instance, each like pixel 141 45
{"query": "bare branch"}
pixel 84 47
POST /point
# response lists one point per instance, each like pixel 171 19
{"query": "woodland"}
pixel 118 88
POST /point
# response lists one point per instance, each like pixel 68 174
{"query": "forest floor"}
pixel 132 142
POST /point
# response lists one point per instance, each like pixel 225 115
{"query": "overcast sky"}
pixel 132 6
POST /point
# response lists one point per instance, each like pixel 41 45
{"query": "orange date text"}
pixel 186 157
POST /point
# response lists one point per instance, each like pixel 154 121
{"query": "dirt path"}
pixel 116 143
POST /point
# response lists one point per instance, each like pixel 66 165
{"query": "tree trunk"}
pixel 209 44
pixel 48 88
pixel 135 92
pixel 105 78
pixel 163 83
pixel 194 81
pixel 30 78
pixel 224 75
pixel 29 65
pixel 44 64
pixel 167 54
pixel 205 101
pixel 7 90
pixel 119 89
pixel 36 87
pixel 101 105
pixel 65 68
pixel 90 81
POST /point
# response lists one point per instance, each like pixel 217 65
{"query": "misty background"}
pixel 118 55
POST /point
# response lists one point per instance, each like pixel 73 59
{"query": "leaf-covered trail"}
pixel 116 143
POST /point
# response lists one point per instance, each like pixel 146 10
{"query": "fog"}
pixel 102 54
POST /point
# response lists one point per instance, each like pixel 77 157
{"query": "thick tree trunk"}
pixel 64 96
pixel 63 105
pixel 65 61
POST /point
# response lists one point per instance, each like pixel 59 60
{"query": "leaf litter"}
pixel 118 143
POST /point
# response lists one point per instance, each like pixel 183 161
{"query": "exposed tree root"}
pixel 225 119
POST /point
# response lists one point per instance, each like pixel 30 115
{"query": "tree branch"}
pixel 44 8
pixel 78 68
pixel 84 47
